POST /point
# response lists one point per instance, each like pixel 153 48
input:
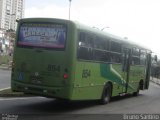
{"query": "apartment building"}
pixel 10 10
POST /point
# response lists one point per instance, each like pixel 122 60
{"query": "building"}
pixel 17 12
pixel 10 10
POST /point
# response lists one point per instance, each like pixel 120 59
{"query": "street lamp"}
pixel 104 28
pixel 95 27
pixel 100 29
pixel 126 38
pixel 69 8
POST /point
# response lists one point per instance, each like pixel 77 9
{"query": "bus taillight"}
pixel 65 76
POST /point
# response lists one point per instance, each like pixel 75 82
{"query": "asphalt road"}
pixel 44 108
pixel 5 77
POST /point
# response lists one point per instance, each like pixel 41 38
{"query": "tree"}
pixel 11 34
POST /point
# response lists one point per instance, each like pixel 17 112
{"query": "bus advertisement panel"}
pixel 42 35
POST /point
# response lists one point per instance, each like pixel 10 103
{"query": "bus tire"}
pixel 106 95
pixel 137 92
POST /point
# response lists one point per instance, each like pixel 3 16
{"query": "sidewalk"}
pixel 155 80
pixel 5 67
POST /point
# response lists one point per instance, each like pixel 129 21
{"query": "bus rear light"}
pixel 65 76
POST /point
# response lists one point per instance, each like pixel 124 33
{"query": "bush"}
pixel 5 59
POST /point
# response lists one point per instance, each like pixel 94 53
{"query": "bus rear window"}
pixel 40 35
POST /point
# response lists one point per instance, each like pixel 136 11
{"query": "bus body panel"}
pixel 91 78
pixel 37 69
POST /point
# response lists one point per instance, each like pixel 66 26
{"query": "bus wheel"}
pixel 106 95
pixel 137 92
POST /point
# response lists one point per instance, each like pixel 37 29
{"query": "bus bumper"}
pixel 45 91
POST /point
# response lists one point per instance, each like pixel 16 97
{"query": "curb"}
pixel 6 92
pixel 5 68
pixel 7 88
pixel 158 83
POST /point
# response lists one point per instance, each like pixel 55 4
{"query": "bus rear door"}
pixel 126 67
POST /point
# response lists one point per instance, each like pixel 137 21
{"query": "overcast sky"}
pixel 139 20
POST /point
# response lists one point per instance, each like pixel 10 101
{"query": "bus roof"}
pixel 114 37
pixel 89 29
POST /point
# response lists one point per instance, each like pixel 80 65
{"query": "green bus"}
pixel 67 60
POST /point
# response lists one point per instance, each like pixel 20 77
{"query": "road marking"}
pixel 2 99
pixel 5 88
pixel 18 98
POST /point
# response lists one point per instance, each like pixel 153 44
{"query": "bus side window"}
pixel 100 55
pixel 82 39
pixel 135 60
pixel 135 52
pixel 85 46
pixel 90 40
pixel 107 44
pixel 116 47
pixel 85 53
pixel 107 57
pixel 135 56
pixel 86 40
pixel 99 43
pixel 142 57
pixel 116 53
pixel 115 57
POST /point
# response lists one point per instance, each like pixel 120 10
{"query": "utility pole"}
pixel 69 8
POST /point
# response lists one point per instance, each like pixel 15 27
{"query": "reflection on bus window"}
pixel 115 47
pixel 92 47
